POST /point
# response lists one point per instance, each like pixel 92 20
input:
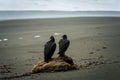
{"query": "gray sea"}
pixel 8 15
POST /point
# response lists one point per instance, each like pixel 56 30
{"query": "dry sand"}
pixel 92 39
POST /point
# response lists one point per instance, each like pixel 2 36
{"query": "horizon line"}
pixel 65 10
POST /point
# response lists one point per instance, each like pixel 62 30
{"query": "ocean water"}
pixel 10 15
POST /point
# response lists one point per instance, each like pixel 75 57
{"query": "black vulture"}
pixel 63 45
pixel 49 49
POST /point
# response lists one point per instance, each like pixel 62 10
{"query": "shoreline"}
pixel 50 18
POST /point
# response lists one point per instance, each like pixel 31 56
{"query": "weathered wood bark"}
pixel 55 65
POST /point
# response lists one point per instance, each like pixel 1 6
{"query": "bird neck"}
pixel 65 38
pixel 52 40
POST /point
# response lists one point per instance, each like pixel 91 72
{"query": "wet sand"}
pixel 95 43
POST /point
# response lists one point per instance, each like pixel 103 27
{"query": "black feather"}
pixel 63 46
pixel 49 50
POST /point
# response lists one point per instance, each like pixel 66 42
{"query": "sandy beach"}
pixel 92 39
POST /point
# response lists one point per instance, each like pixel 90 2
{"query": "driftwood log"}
pixel 55 65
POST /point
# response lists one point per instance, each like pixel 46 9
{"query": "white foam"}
pixel 57 34
pixel 37 36
pixel 5 39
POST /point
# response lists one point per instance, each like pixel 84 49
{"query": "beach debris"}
pixel 8 69
pixel 5 69
pixel 16 76
pixel 37 36
pixel 100 57
pixel 57 34
pixel 104 47
pixel 91 53
pixel 91 64
pixel 55 65
pixel 5 39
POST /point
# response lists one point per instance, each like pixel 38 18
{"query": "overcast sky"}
pixel 66 5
